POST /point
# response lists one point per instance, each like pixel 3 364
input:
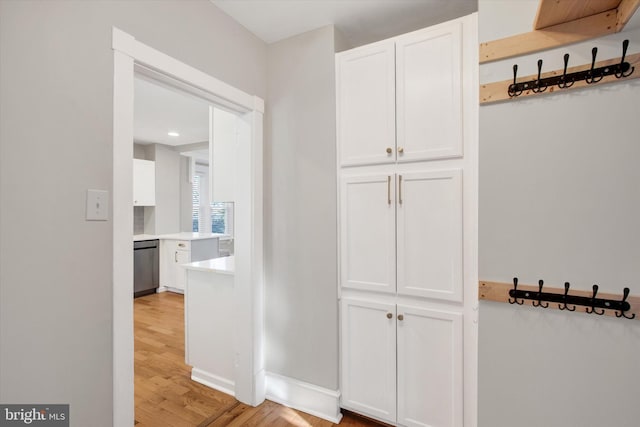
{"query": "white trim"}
pixel 470 72
pixel 131 56
pixel 122 332
pixel 214 381
pixel 158 61
pixel 305 397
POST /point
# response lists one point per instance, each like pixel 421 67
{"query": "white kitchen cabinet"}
pixel 144 183
pixel 408 226
pixel 209 303
pixel 402 232
pixel 429 367
pixel 368 238
pixel 366 104
pixel 429 234
pixel 401 99
pixel 175 253
pixel 411 352
pixel 429 93
pixel 368 348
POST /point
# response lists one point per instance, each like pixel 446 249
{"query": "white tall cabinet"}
pixel 407 134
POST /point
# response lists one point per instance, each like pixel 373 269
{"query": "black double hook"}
pixel 539 86
pixel 621 73
pixel 593 77
pixel 592 309
pixel 514 293
pixel 514 91
pixel 539 302
pixel 620 313
pixel 564 305
pixel 564 81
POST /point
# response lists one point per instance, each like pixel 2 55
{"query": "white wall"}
pixel 300 210
pixel 56 79
pixel 559 201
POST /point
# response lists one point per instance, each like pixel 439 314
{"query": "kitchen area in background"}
pixel 183 185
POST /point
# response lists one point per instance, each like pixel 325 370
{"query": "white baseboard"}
pixel 305 397
pixel 221 384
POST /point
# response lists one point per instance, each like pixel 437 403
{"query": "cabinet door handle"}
pixel 389 189
pixel 175 256
pixel 400 189
pixel 400 317
pixel 389 150
pixel 389 315
pixel 182 245
pixel 400 150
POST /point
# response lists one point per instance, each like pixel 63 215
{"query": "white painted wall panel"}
pixel 301 317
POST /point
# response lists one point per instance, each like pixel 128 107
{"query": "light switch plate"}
pixel 97 205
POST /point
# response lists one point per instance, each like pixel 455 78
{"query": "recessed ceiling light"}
pixel 173 134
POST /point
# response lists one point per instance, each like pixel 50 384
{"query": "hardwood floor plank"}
pixel 165 395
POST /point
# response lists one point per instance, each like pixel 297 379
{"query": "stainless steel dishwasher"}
pixel 145 267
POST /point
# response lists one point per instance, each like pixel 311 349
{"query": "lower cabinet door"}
pixel 181 257
pixel 369 358
pixel 430 367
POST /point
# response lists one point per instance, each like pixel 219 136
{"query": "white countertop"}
pixel 224 265
pixel 141 237
pixel 180 236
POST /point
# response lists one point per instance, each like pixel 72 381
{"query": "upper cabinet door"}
pixel 366 104
pixel 429 76
pixel 367 232
pixel 144 183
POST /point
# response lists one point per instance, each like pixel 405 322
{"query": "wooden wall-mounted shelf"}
pixel 498 291
pixel 562 22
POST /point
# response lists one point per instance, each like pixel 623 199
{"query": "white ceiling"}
pixel 159 110
pixel 359 21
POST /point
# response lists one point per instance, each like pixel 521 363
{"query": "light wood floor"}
pixel 165 394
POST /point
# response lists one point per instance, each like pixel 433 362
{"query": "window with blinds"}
pixel 217 217
pixel 195 200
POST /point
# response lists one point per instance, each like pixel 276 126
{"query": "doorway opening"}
pixel 134 58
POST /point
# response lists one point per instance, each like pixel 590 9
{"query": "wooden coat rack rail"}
pixel 592 302
pixel 501 91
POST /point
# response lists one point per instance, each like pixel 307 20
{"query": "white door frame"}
pixel 131 56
